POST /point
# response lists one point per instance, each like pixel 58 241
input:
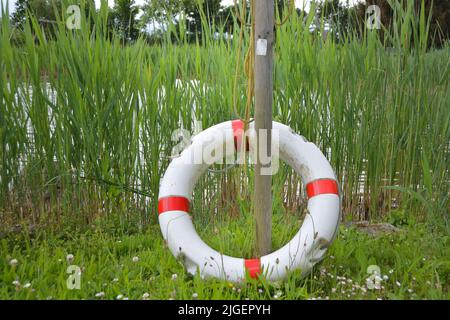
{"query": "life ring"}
pixel 307 247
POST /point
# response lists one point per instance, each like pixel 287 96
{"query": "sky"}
pixel 298 3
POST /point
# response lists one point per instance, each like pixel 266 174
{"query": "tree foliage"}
pixel 191 16
pixel 125 20
pixel 438 9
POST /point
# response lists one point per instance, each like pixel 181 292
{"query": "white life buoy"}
pixel 306 248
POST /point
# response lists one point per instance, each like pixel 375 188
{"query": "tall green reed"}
pixel 91 133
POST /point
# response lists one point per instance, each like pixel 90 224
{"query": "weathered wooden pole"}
pixel 263 73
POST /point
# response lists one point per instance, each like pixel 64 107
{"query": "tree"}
pixel 124 16
pixel 43 11
pixel 195 13
pixel 19 16
pixel 339 17
pixel 187 12
pixel 439 10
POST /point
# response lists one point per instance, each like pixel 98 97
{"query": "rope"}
pixel 249 60
pixel 227 168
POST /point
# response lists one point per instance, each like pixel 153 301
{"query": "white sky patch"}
pixel 10 5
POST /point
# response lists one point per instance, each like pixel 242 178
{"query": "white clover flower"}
pixel 125 298
pixel 145 296
pixel 119 297
pixel 174 277
pixel 27 285
pixel 410 290
pixel 115 280
pixel 333 290
pixel 260 290
pixel 135 259
pixel 385 278
pixel 398 284
pixel 13 262
pixel 100 294
pixel 391 271
pixel 194 295
pixel 16 283
pixel 69 258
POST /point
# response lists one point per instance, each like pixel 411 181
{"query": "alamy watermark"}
pixel 221 145
pixel 73 21
pixel 374 279
pixel 373 17
pixel 73 282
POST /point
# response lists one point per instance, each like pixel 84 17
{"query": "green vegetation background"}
pixel 86 123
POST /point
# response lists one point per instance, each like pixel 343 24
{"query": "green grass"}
pixel 414 257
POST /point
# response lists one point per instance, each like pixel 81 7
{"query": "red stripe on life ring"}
pixel 173 204
pixel 322 186
pixel 238 132
pixel 253 267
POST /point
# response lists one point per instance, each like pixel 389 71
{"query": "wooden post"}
pixel 264 38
